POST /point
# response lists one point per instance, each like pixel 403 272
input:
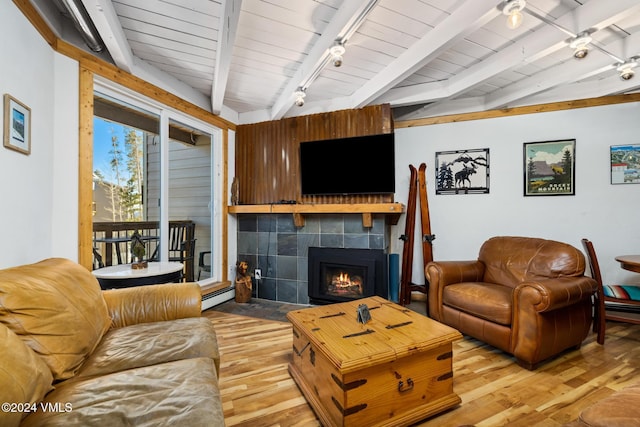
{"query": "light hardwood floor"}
pixel 257 390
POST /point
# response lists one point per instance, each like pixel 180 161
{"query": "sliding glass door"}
pixel 190 198
pixel 126 182
pixel 155 172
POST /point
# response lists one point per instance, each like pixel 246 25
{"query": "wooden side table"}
pixel 629 262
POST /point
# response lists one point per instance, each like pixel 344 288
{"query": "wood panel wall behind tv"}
pixel 268 154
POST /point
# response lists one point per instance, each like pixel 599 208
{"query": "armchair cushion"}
pixel 65 322
pixel 489 301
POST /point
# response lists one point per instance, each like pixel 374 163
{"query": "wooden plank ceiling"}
pixel 245 59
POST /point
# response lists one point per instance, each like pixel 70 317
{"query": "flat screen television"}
pixel 356 165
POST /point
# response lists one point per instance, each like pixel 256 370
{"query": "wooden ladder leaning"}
pixel 417 187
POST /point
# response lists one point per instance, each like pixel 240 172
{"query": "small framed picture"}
pixel 549 168
pixel 462 171
pixel 625 164
pixel 17 125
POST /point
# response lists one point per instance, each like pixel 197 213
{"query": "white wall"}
pixel 38 193
pixel 605 213
pixel 64 216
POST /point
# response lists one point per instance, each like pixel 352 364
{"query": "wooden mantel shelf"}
pixel 391 210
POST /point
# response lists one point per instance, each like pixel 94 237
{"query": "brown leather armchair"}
pixel 526 296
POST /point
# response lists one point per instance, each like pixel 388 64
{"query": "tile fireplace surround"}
pixel 272 243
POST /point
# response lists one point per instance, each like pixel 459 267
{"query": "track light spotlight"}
pixel 513 10
pixel 626 69
pixel 300 94
pixel 581 45
pixel 336 51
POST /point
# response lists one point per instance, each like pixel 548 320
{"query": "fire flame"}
pixel 343 279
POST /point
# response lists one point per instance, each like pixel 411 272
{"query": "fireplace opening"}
pixel 343 281
pixel 337 274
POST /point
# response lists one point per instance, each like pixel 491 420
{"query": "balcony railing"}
pixel 112 242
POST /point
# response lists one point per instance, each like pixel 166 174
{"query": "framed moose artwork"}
pixel 462 171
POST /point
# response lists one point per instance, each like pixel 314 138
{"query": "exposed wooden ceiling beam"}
pixel 528 49
pixel 226 39
pixel 107 23
pixel 342 20
pixel 463 21
pixel 567 73
pixel 612 85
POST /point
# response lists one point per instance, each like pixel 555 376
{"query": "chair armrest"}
pixel 442 273
pixel 153 303
pixel 550 315
pixel 552 294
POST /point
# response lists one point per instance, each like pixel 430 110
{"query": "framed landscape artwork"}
pixel 462 172
pixel 549 168
pixel 625 164
pixel 17 125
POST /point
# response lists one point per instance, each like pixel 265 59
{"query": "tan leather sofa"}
pixel 526 296
pixel 73 355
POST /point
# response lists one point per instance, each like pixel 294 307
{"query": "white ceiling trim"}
pixel 226 40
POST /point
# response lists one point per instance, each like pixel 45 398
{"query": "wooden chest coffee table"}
pixel 392 371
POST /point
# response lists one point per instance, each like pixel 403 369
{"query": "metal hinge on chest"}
pixel 348 386
pixel 348 411
pixel 312 354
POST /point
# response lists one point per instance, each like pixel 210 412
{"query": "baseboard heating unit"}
pixel 211 299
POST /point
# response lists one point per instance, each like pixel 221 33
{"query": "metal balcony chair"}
pixel 182 244
pixel 202 265
pixel 611 301
pixel 97 259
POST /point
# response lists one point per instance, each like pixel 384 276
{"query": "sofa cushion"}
pixel 153 343
pixel 56 307
pixel 180 393
pixel 485 300
pixel 24 377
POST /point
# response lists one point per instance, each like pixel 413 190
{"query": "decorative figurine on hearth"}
pixel 243 282
pixel 138 251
